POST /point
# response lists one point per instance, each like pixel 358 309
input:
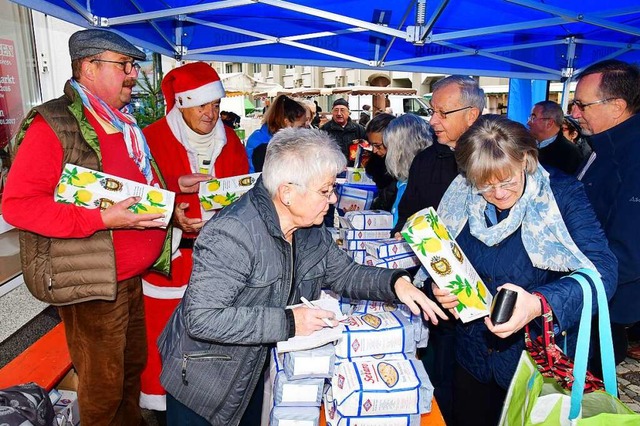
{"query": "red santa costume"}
pixel 180 151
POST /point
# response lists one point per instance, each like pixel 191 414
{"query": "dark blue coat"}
pixel 612 184
pixel 487 356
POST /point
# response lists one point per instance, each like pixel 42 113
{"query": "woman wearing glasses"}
pixel 254 258
pixel 523 229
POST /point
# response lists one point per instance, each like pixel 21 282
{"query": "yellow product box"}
pixel 221 192
pixel 447 264
pixel 91 189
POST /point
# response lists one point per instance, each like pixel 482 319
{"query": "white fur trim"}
pixel 179 130
pixel 156 292
pixel 153 402
pixel 176 236
pixel 200 95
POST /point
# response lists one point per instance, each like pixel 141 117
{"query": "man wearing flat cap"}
pixel 191 141
pixel 88 261
pixel 344 130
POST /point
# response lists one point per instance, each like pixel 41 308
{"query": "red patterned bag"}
pixel 550 359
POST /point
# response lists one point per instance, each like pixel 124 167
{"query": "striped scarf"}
pixel 123 121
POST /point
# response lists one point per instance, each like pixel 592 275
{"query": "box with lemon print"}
pixel 358 176
pixel 220 192
pixel 92 189
pixel 447 264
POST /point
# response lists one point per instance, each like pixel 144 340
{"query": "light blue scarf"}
pixel 544 234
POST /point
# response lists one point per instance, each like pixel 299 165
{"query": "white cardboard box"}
pixel 378 388
pixel 67 410
pixel 358 176
pixel 388 247
pixel 350 197
pixel 367 220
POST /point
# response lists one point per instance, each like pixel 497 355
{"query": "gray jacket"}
pixel 244 274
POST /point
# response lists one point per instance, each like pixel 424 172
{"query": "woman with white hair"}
pixel 404 138
pixel 266 251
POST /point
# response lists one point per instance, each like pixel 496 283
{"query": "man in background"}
pixel 344 130
pixel 606 105
pixel 365 115
pixel 456 104
pixel 545 124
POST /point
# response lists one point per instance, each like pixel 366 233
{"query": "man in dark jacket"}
pixel 342 128
pixel 456 103
pixel 606 105
pixel 545 124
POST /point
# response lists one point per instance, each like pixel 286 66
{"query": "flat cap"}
pixel 92 42
pixel 340 101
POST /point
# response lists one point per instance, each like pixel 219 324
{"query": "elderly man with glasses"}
pixel 191 144
pixel 89 261
pixel 545 125
pixel 456 104
pixel 606 105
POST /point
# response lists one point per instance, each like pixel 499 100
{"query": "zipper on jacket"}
pixel 290 288
pixel 186 357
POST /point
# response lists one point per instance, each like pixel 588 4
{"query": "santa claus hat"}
pixel 191 85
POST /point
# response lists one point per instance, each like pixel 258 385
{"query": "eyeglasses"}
pixel 443 114
pixel 534 117
pixel 377 145
pixel 582 106
pixel 126 66
pixel 505 186
pixel 326 193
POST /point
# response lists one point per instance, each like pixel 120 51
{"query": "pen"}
pixel 312 306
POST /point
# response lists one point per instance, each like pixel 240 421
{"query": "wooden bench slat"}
pixel 45 362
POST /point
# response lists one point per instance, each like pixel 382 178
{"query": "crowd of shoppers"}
pixel 527 205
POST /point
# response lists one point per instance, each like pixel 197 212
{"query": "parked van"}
pixel 400 104
pixel 409 105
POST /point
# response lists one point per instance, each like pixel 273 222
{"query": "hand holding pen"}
pixel 310 318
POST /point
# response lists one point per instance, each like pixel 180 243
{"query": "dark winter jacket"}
pixel 561 154
pixel 487 356
pixel 244 274
pixel 612 183
pixel 431 173
pixel 344 135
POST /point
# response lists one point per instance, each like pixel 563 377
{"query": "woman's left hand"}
pixel 526 310
pixel 417 301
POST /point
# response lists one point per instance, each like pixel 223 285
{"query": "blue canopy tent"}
pixel 529 39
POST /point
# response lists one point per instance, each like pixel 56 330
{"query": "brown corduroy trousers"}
pixel 108 347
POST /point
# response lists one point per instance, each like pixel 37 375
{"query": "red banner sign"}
pixel 11 111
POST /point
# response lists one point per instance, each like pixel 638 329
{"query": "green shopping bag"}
pixel 535 400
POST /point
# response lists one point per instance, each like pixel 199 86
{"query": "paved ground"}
pixel 629 383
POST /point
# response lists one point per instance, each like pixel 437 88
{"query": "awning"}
pixel 249 107
pixel 533 39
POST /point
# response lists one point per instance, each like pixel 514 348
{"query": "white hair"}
pixel 300 156
pixel 404 138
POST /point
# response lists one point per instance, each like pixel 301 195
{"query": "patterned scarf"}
pixel 123 121
pixel 544 234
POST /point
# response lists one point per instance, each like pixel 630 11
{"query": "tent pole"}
pixel 567 73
